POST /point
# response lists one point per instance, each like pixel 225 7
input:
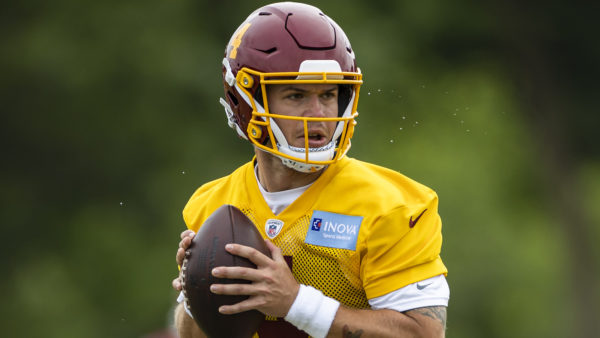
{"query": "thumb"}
pixel 276 254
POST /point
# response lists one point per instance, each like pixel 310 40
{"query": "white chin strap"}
pixel 324 153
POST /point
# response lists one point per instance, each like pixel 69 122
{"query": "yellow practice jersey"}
pixel 359 231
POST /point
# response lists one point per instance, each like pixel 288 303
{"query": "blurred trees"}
pixel 110 121
pixel 552 63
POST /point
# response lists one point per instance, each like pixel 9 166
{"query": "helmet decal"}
pixel 238 40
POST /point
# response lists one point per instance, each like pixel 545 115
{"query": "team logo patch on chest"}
pixel 333 230
pixel 273 227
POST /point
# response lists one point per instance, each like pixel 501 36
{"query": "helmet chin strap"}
pixel 324 153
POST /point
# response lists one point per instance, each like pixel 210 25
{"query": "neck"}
pixel 275 176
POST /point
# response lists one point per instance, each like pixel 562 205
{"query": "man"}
pixel 355 247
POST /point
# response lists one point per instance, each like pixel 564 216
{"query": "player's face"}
pixel 305 100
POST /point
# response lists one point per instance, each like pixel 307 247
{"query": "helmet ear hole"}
pixel 232 98
pixel 344 95
pixel 258 96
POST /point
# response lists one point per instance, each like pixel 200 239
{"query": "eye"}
pixel 295 96
pixel 329 95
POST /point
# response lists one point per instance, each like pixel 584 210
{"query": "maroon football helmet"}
pixel 289 43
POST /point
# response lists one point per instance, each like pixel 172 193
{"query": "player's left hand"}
pixel 186 240
pixel 273 288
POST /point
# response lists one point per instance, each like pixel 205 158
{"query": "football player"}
pixel 355 247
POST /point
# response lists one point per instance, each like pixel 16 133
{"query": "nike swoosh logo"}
pixel 412 223
pixel 421 287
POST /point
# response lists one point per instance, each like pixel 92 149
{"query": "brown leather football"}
pixel 207 251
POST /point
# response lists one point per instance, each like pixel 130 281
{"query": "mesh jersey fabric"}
pixel 398 241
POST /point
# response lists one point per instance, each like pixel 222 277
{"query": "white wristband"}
pixel 312 311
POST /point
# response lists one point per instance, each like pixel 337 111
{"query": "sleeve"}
pixel 201 205
pixel 403 247
pixel 433 291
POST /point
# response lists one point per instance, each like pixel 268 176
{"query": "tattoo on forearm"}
pixel 436 312
pixel 349 334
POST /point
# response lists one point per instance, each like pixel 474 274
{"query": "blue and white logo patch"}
pixel 333 230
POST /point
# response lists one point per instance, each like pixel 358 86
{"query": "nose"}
pixel 315 108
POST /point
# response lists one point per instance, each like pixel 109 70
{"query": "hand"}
pixel 273 288
pixel 184 244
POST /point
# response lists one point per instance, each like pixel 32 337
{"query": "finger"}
pixel 185 242
pixel 248 304
pixel 237 272
pixel 187 233
pixel 233 289
pixel 180 256
pixel 276 254
pixel 177 284
pixel 252 254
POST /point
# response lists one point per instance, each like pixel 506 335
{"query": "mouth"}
pixel 316 139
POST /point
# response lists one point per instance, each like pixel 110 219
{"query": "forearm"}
pixel 185 325
pixel 426 322
pixel 321 316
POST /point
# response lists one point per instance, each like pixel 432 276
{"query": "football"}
pixel 226 225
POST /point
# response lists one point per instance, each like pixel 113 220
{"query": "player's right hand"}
pixel 184 244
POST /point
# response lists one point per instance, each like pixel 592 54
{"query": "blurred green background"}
pixel 110 121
